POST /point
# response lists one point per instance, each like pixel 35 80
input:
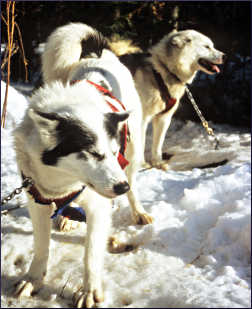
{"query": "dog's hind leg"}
pixel 98 212
pixel 40 216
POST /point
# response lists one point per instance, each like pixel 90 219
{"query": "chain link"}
pixel 27 182
pixel 203 120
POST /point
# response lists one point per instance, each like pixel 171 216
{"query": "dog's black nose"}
pixel 121 188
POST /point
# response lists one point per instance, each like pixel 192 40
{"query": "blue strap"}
pixel 73 213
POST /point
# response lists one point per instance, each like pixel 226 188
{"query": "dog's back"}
pixel 133 61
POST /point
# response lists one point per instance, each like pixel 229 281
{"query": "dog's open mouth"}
pixel 208 65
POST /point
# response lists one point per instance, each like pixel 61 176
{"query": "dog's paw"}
pixel 143 218
pixel 162 165
pixel 88 299
pixel 115 246
pixel 24 289
pixel 65 225
pixel 146 165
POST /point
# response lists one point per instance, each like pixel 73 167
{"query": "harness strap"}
pixel 62 204
pixel 106 92
pixel 165 95
pixel 73 213
pixel 121 159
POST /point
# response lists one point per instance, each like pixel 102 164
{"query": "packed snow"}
pixel 197 252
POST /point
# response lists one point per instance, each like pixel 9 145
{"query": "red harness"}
pixel 62 204
pixel 164 93
pixel 121 159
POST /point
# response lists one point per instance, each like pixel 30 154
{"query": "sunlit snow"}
pixel 195 254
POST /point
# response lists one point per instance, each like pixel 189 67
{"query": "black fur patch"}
pixel 93 43
pixel 111 126
pixel 73 137
pixel 134 61
pixel 111 123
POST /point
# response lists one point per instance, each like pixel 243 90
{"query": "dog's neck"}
pixel 49 181
pixel 175 83
pixel 173 76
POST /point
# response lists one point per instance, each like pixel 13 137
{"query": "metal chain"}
pixel 203 120
pixel 27 182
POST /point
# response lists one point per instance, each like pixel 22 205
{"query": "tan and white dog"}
pixel 160 78
pixel 70 143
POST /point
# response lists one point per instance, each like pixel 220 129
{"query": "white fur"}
pixel 178 53
pixel 84 103
pixel 62 51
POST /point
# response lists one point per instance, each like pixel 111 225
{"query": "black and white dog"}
pixel 72 143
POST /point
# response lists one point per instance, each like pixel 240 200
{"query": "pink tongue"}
pixel 216 68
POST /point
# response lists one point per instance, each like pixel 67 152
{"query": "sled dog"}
pixel 82 128
pixel 161 75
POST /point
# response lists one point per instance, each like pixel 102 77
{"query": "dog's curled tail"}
pixel 66 46
pixel 123 46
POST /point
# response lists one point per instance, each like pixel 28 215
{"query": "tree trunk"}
pixel 174 18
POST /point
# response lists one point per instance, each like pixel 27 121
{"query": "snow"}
pixel 197 252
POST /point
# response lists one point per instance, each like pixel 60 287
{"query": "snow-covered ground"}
pixel 197 252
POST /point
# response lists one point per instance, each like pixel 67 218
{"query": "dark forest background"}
pixel 222 99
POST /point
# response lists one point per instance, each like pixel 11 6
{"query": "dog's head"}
pixel 76 138
pixel 188 51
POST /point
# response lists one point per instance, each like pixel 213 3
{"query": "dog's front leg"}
pixel 98 214
pixel 41 222
pixel 139 215
pixel 145 123
pixel 160 125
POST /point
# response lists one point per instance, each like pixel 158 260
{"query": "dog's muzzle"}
pixel 121 188
pixel 212 66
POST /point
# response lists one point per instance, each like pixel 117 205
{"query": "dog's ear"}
pixel 179 41
pixel 117 118
pixel 114 122
pixel 45 123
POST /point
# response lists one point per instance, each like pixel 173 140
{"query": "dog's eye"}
pixel 98 156
pixel 207 46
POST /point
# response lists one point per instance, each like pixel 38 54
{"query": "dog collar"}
pixel 62 204
pixel 121 159
pixel 169 101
